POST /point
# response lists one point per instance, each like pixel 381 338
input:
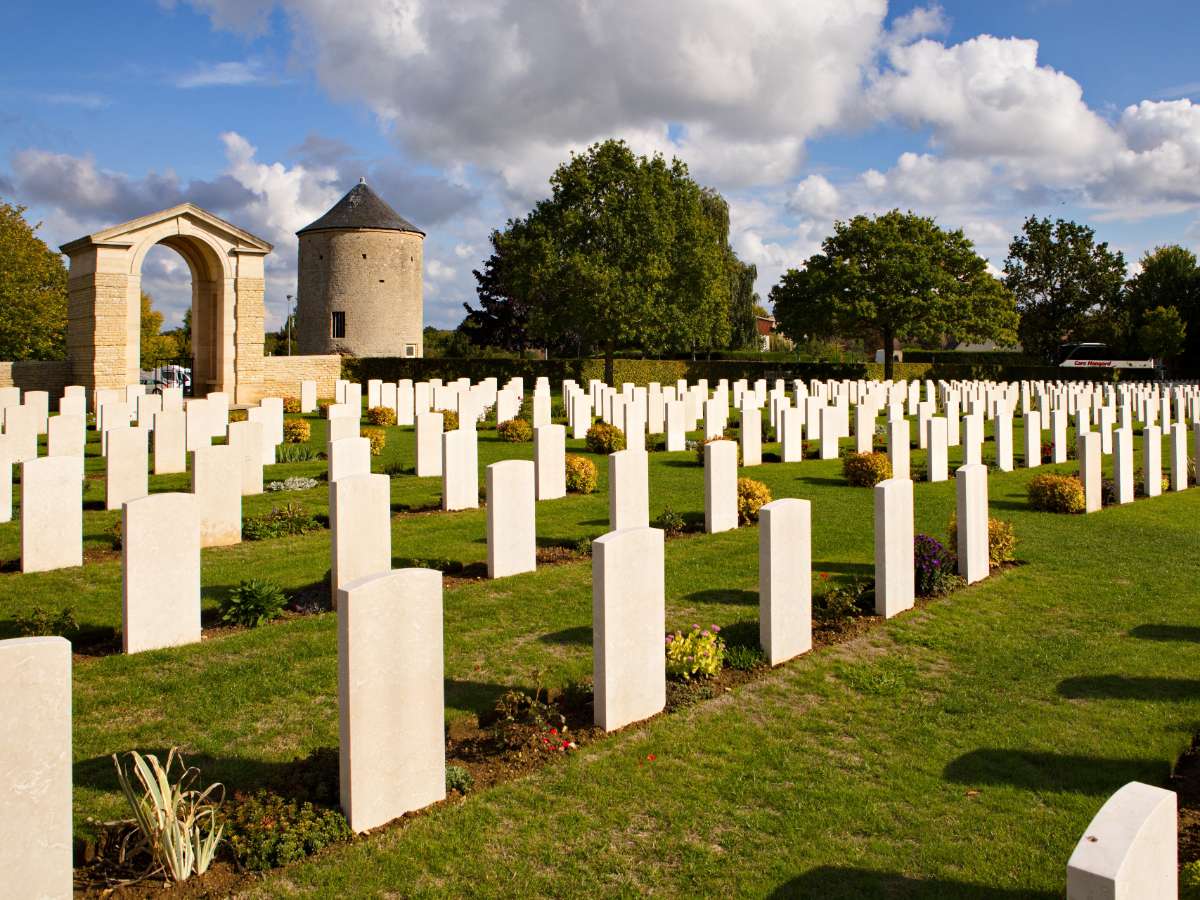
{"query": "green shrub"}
pixel 323 405
pixel 290 453
pixel 672 523
pixel 743 658
pixel 701 444
pixel 866 469
pixel 1002 540
pixel 459 779
pixel 296 431
pixel 1056 493
pixel 842 603
pixel 39 622
pixel 238 415
pixel 1189 880
pixel 605 438
pixel 381 415
pixel 291 404
pixel 581 474
pixel 449 419
pixel 751 497
pixel 281 521
pixel 252 603
pixel 698 654
pixel 267 830
pixel 377 438
pixel 515 431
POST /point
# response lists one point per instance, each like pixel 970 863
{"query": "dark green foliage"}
pixel 671 522
pixel 39 622
pixel 252 603
pixel 743 658
pixel 1061 276
pixel 459 779
pixel 840 603
pixel 281 521
pixel 605 438
pixel 894 276
pixel 33 291
pixel 266 830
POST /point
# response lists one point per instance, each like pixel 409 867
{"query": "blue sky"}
pixel 265 112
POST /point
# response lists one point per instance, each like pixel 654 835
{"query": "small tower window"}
pixel 364 256
pixel 410 349
pixel 339 324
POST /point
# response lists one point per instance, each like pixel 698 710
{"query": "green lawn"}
pixel 958 750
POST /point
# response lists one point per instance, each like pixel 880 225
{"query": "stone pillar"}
pixel 217 484
pixel 972 439
pixel 629 489
pixel 246 439
pixel 720 486
pixel 791 448
pixel 349 456
pixel 51 513
pixel 895 587
pixel 550 458
pixel 785 579
pixel 1004 438
pixel 1088 452
pixel 1058 429
pixel 170 442
pixel 67 436
pixel 160 560
pixel 460 469
pixel 1179 461
pixel 750 433
pixel 511 517
pixel 308 396
pixel 360 519
pixel 1033 439
pixel 429 445
pixel 628 626
pixel 864 428
pixel 126 466
pixel 898 440
pixel 1129 849
pixel 972 522
pixel 935 442
pixel 36 852
pixel 1152 459
pixel 391 699
pixel 675 433
pixel 1123 481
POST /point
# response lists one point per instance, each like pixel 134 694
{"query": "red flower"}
pixel 554 731
pixel 824 576
pixel 651 757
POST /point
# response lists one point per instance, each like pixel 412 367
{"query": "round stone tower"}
pixel 359 285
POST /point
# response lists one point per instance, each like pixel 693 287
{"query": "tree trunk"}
pixel 608 363
pixel 888 340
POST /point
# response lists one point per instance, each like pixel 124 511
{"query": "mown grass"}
pixel 956 751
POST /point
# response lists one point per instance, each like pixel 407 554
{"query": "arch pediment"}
pixel 128 234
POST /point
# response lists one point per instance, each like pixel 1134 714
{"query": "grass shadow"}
pixel 579 634
pixel 1187 633
pixel 1043 771
pixel 831 882
pixel 1123 687
pixel 835 482
pixel 1009 504
pixel 723 595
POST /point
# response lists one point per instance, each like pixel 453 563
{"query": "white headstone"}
pixel 67 436
pixel 1123 480
pixel 246 439
pixel 895 587
pixel 720 486
pixel 36 846
pixel 217 484
pixel 160 561
pixel 511 517
pixel 360 522
pixel 126 466
pixel 1152 459
pixel 308 396
pixel 628 489
pixel 972 524
pixel 429 445
pixel 785 579
pixel 1088 451
pixel 1129 850
pixel 550 458
pixel 628 626
pixel 460 469
pixel 391 696
pixel 898 442
pixel 349 456
pixel 51 513
pixel 170 442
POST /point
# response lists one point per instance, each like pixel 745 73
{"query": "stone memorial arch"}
pixel 104 301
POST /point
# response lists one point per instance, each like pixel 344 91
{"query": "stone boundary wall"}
pixel 281 375
pixel 37 375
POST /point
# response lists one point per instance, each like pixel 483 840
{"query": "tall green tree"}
pixel 625 253
pixel 157 349
pixel 1063 281
pixel 1169 278
pixel 1162 333
pixel 33 291
pixel 897 276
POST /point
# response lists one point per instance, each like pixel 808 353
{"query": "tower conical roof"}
pixel 361 208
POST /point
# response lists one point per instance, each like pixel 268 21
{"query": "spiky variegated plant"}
pixel 178 822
